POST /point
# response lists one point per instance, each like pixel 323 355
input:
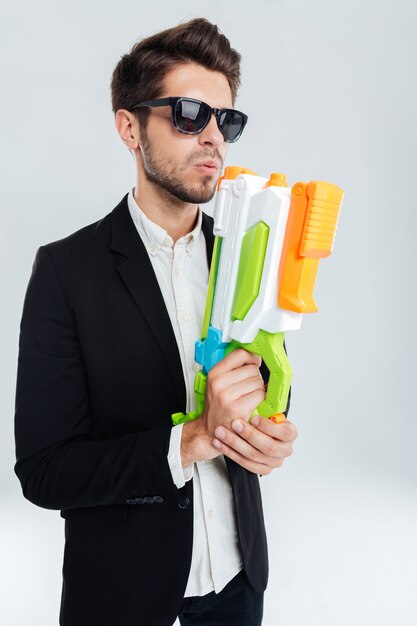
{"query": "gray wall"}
pixel 330 91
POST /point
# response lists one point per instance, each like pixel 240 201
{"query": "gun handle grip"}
pixel 200 397
pixel 270 347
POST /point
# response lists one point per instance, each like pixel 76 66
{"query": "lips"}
pixel 207 167
pixel 209 164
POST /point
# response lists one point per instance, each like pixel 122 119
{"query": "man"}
pixel 161 521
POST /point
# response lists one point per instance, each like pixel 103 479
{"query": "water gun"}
pixel 268 243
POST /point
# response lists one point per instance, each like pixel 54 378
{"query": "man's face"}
pixel 173 160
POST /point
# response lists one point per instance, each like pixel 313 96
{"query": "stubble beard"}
pixel 167 176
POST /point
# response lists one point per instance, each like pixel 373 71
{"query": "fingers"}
pixel 244 461
pixel 238 375
pixel 254 449
pixel 235 359
pixel 286 431
pixel 230 392
pixel 245 405
pixel 235 381
pixel 234 388
pixel 223 411
pixel 250 370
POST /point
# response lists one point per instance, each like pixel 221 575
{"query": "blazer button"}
pixel 139 500
pixel 148 500
pixel 158 499
pixel 131 501
pixel 184 503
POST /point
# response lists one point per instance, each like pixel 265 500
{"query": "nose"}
pixel 211 134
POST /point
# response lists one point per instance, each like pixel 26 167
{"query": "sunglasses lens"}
pixel 191 116
pixel 231 124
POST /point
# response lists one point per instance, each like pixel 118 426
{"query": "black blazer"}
pixel 99 374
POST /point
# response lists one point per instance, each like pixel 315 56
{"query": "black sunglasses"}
pixel 192 116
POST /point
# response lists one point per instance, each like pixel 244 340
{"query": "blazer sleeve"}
pixel 59 466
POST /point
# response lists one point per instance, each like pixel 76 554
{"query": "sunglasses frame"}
pixel 173 101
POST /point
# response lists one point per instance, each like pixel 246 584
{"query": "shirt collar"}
pixel 154 236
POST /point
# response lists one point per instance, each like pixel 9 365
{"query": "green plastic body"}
pixel 251 264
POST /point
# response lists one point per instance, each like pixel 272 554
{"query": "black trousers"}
pixel 238 604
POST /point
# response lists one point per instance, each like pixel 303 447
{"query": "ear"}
pixel 128 128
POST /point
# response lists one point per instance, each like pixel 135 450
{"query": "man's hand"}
pixel 257 447
pixel 234 389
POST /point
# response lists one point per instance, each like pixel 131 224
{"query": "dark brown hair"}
pixel 139 75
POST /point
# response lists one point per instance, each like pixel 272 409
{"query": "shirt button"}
pixel 187 318
pixel 177 271
pixel 210 513
pixel 196 367
pixel 152 248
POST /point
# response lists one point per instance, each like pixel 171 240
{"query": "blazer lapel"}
pixel 207 228
pixel 136 271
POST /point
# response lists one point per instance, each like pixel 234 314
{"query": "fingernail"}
pixel 220 432
pixel 255 420
pixel 237 425
pixel 217 443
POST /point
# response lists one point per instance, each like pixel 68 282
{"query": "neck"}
pixel 177 217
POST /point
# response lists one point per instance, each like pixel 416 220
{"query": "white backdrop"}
pixel 330 91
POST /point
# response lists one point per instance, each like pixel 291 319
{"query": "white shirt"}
pixel 182 274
